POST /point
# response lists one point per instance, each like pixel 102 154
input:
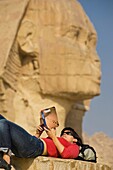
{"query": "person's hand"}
pixel 39 130
pixel 50 132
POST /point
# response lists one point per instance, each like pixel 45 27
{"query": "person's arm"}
pixel 72 151
pixel 51 134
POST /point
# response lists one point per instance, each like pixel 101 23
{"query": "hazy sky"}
pixel 100 116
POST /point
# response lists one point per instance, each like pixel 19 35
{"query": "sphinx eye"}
pixel 72 32
pixel 92 39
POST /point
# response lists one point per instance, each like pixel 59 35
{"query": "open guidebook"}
pixel 49 118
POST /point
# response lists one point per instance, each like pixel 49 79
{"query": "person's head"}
pixel 71 136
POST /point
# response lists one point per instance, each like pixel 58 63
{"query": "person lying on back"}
pixel 14 139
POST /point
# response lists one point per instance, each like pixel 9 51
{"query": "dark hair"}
pixel 74 134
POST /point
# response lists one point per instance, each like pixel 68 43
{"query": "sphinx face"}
pixel 68 62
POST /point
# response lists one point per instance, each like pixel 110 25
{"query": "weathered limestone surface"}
pixel 47 163
pixel 47 58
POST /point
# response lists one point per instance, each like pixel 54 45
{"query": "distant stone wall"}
pixel 47 163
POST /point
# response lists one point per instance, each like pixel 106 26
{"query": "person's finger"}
pixel 39 128
pixel 46 129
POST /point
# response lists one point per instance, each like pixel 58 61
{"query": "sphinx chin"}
pixel 72 87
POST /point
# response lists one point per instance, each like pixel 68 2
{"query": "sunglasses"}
pixel 68 133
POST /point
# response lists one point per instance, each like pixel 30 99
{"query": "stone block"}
pixel 48 163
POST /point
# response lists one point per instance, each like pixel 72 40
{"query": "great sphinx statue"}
pixel 47 58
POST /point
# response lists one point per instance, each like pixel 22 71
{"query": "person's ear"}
pixel 75 140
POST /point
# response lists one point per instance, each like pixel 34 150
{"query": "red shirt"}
pixel 70 150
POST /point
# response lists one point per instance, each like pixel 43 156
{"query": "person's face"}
pixel 68 136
